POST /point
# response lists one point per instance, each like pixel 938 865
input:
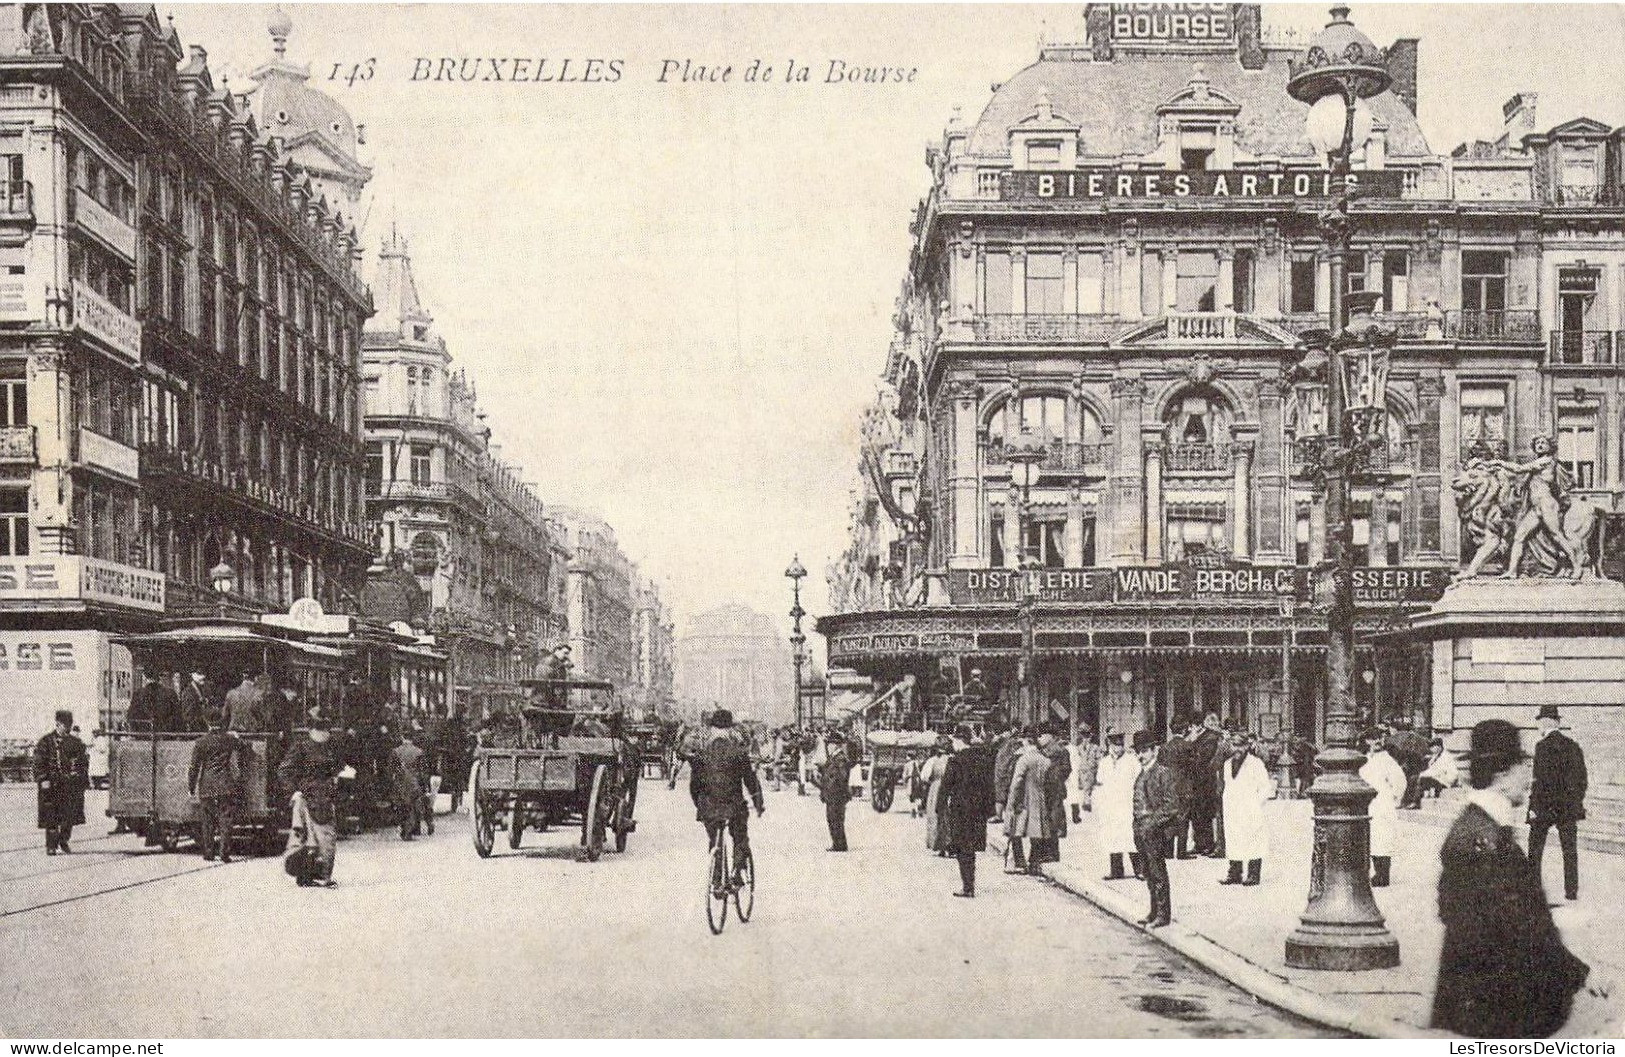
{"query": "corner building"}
pixel 1117 258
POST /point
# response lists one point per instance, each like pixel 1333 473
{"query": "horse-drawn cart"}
pixel 889 752
pixel 567 764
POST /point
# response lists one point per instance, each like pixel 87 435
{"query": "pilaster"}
pixel 1271 470
pixel 1127 512
pixel 965 552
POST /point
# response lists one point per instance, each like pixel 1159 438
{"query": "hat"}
pixel 1494 741
pixel 1143 740
pixel 64 716
pixel 1373 734
pixel 1114 737
pixel 1548 712
pixel 722 718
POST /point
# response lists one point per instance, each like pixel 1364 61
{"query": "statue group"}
pixel 1522 519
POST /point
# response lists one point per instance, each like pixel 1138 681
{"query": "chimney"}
pixel 1402 68
pixel 1518 113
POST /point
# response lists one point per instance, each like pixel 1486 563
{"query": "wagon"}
pixel 568 764
pixel 147 789
pixel 650 740
pixel 889 751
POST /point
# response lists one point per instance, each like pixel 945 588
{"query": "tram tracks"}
pixel 81 896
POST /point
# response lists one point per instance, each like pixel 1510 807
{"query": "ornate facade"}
pixel 1114 263
pixel 600 600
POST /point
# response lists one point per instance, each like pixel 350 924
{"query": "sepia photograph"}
pixel 784 521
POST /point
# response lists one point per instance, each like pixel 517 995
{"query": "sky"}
pixel 675 298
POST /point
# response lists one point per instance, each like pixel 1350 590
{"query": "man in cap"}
pixel 311 769
pixel 835 787
pixel 62 770
pixel 1156 812
pixel 197 704
pixel 219 764
pixel 720 774
pixel 1503 970
pixel 154 706
pixel 1557 798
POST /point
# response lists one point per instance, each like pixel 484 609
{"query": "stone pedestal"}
pixel 1503 648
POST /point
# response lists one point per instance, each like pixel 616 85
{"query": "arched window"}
pixel 1196 416
pixel 1045 416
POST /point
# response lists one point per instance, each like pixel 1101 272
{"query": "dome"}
pixel 289 109
pixel 732 621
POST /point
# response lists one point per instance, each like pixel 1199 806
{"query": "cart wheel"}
pixel 596 816
pixel 623 815
pixel 881 791
pixel 516 827
pixel 745 894
pixel 484 826
pixel 716 886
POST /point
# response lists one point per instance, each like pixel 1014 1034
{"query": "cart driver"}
pixel 720 775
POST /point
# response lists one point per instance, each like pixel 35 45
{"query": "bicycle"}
pixel 721 885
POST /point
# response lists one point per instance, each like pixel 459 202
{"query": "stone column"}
pixel 1018 280
pixel 1074 526
pixel 1110 281
pixel 962 280
pixel 1124 486
pixel 1241 494
pixel 1226 300
pixel 1170 278
pixel 1317 526
pixel 965 551
pixel 1271 467
pixel 1430 514
pixel 1128 272
pixel 1271 263
pixel 1151 438
pixel 1377 547
pixel 1012 528
pixel 1374 274
pixel 1323 281
pixel 50 411
pixel 1069 280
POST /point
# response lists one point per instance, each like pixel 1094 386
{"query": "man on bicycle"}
pixel 720 773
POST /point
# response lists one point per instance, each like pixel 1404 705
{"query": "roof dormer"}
pixel 1196 129
pixel 1045 139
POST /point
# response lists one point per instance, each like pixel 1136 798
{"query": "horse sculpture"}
pixel 1521 516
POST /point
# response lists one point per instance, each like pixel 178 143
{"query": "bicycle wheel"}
pixel 716 886
pixel 745 891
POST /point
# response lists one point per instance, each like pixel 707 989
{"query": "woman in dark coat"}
pixel 1503 970
pixel 62 769
pixel 967 803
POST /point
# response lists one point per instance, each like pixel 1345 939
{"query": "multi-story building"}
pixel 462 520
pixel 652 630
pixel 603 639
pixel 179 332
pixel 735 658
pixel 1114 262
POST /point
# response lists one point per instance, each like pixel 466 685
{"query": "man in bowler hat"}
pixel 62 769
pixel 1557 798
pixel 835 788
pixel 719 778
pixel 1157 811
pixel 1504 972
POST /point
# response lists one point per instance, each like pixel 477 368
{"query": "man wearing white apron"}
pixel 1114 807
pixel 1384 774
pixel 1247 786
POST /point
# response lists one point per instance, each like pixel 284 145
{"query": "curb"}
pixel 1261 983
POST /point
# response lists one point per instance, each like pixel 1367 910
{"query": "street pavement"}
pixel 424 939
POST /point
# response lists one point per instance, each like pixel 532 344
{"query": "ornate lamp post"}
pixel 798 641
pixel 1341 928
pixel 223 578
pixel 1025 459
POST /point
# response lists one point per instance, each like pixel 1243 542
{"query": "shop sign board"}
pixel 1172 23
pixel 1401 585
pixel 1157 184
pixel 43 671
pixel 69 577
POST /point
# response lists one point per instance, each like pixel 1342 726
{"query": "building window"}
pixel 13 522
pixel 13 394
pixel 1196 146
pixel 1043 154
pixel 1193 536
pixel 1577 444
pixel 1579 310
pixel 1395 529
pixel 996 284
pixel 1483 280
pixel 995 539
pixel 1579 177
pixel 1196 418
pixel 1396 281
pixel 1044 284
pixel 1151 284
pixel 1198 283
pixel 421 463
pixel 1304 277
pixel 1241 281
pixel 1301 535
pixel 1484 416
pixel 1361 540
pixel 1045 542
pixel 1354 276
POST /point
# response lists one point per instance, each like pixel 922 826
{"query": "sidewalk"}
pixel 1240 933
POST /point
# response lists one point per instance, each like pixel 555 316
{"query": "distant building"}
pixel 736 658
pixel 652 634
pixel 599 598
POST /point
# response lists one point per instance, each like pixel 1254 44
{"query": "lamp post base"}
pixel 1341 950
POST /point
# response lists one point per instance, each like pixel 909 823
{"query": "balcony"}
pixel 99 318
pixel 1510 325
pixel 1201 326
pixel 1482 448
pixel 1582 348
pixel 16 200
pixel 104 224
pixel 17 446
pixel 434 492
pixel 1579 195
pixel 1084 329
pixel 1059 456
pixel 1196 458
pixel 1397 457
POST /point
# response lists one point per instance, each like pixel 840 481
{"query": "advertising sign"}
pixel 1172 23
pixel 1404 585
pixel 1400 585
pixel 1083 184
pixel 70 577
pixel 43 671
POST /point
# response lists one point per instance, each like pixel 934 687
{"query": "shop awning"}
pixel 851 703
pixel 222 635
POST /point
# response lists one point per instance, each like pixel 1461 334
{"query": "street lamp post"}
pixel 1341 928
pixel 222 578
pixel 798 641
pixel 1025 459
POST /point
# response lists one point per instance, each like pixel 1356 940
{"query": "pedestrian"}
pixel 154 706
pixel 1179 756
pixel 245 707
pixel 931 772
pixel 220 761
pixel 101 753
pixel 1410 750
pixel 1085 758
pixel 311 769
pixel 1004 765
pixel 1557 798
pixel 1156 813
pixel 1302 752
pixel 1383 773
pixel 411 773
pixel 1206 746
pixel 1114 796
pixel 835 788
pixel 1052 743
pixel 62 772
pixel 1504 972
pixel 1026 806
pixel 1441 772
pixel 913 781
pixel 196 705
pixel 1247 786
pixel 967 803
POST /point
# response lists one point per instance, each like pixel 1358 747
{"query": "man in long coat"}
pixel 1114 807
pixel 311 769
pixel 1179 756
pixel 62 770
pixel 1054 748
pixel 218 768
pixel 720 776
pixel 1026 806
pixel 1004 765
pixel 197 704
pixel 246 708
pixel 1205 786
pixel 1156 812
pixel 1557 798
pixel 1085 759
pixel 1247 787
pixel 1383 773
pixel 154 706
pixel 1504 972
pixel 967 803
pixel 835 788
